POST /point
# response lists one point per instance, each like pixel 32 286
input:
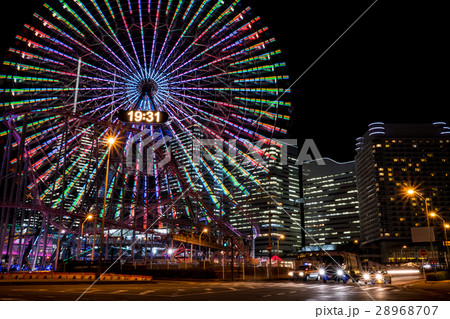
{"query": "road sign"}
pixel 269 247
pixel 422 234
pixel 423 252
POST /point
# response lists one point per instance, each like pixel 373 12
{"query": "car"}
pixel 377 277
pixel 334 272
pixel 305 273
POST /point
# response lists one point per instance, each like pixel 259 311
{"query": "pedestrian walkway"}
pixel 442 286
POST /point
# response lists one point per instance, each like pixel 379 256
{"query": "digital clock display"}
pixel 143 117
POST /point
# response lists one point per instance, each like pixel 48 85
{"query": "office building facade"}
pixel 331 212
pixel 392 158
pixel 272 205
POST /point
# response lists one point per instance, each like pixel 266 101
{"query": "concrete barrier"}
pixel 17 276
pixel 89 276
pixel 43 276
pixel 28 276
pixel 106 277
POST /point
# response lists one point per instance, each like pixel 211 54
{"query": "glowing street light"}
pixel 278 244
pixel 205 230
pixel 111 140
pixel 401 250
pixel 278 254
pixel 413 192
pixel 446 226
pixel 80 241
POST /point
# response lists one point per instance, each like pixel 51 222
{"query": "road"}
pixel 224 291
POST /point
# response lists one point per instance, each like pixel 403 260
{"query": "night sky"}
pixel 388 67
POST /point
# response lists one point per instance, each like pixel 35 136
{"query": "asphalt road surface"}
pixel 222 291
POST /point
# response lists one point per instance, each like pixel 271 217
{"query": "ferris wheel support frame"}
pixel 48 213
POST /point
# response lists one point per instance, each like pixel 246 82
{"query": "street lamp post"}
pixel 80 242
pixel 223 265
pixel 93 240
pixel 111 142
pixel 401 252
pixel 413 192
pixel 58 247
pixel 278 254
pixel 269 247
pixel 205 230
pixel 446 226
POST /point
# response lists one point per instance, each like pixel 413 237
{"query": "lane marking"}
pixel 11 299
pixel 93 290
pixel 117 292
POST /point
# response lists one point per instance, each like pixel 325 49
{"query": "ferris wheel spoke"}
pixel 238 73
pixel 155 34
pixel 54 152
pixel 226 122
pixel 129 34
pixel 85 25
pixel 168 33
pixel 229 10
pixel 141 23
pixel 237 151
pixel 205 51
pixel 47 24
pixel 31 68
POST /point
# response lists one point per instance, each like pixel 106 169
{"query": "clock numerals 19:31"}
pixel 137 116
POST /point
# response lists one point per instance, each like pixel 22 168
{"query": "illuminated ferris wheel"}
pixel 211 67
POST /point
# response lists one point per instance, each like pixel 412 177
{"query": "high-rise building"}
pixel 391 158
pixel 275 199
pixel 331 212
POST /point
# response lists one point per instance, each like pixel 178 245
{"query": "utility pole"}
pixel 232 258
pixel 269 247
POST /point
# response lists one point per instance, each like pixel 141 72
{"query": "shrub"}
pixel 437 276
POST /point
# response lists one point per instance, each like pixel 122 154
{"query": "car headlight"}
pixel 291 274
pixel 321 271
pixel 379 276
pixel 301 273
pixel 340 272
pixel 366 277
